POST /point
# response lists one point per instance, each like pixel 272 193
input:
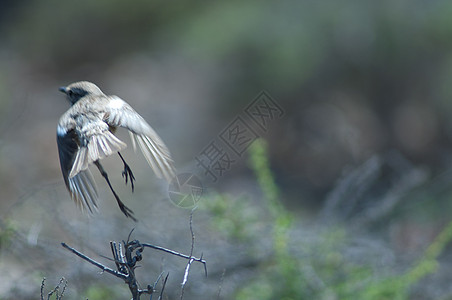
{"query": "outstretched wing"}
pixel 119 113
pixel 81 187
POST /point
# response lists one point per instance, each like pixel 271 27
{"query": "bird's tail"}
pixel 83 191
pixel 98 147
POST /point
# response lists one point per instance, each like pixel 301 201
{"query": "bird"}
pixel 86 135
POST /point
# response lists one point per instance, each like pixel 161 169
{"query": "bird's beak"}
pixel 62 89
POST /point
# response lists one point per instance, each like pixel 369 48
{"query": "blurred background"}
pixel 347 193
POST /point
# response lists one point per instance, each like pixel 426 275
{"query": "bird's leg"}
pixel 127 173
pixel 126 211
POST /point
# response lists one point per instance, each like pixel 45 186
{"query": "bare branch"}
pixel 56 290
pixel 127 254
pixel 42 288
pixel 201 260
pixel 190 261
pixel 97 264
pixel 163 287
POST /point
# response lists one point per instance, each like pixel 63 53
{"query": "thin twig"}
pixel 201 260
pixel 189 257
pixel 97 264
pixel 158 279
pixel 190 261
pixel 64 288
pixel 114 251
pixel 130 233
pixel 163 287
pixel 56 289
pixel 127 254
pixel 42 288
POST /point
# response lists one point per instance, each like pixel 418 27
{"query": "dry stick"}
pixel 116 259
pixel 128 276
pixel 126 269
pixel 42 288
pixel 189 257
pixel 158 279
pixel 63 289
pixel 163 287
pixel 55 290
pixel 129 263
pixel 187 268
pixel 97 264
pixel 201 260
pixel 151 288
pixel 125 262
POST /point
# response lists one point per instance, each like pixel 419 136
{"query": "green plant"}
pixel 397 287
pixel 317 268
pixel 7 231
pixel 284 279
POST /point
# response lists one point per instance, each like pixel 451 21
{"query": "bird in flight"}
pixel 85 135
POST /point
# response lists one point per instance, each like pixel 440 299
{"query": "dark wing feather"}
pixel 67 149
pixel 81 186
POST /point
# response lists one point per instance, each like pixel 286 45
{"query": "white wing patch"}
pixel 116 103
pixel 61 131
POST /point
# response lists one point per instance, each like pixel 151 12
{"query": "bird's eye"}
pixel 70 92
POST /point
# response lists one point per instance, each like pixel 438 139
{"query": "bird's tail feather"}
pixel 83 191
pixel 98 147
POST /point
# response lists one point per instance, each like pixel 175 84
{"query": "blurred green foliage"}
pixel 101 292
pixel 7 232
pixel 398 287
pixel 233 217
pixel 281 219
pixel 312 269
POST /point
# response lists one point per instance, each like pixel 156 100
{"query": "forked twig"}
pixel 93 262
pixel 127 254
pixel 201 260
pixel 190 261
pixel 56 290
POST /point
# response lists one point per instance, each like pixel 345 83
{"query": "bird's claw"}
pixel 128 174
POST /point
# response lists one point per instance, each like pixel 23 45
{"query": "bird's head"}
pixel 77 90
